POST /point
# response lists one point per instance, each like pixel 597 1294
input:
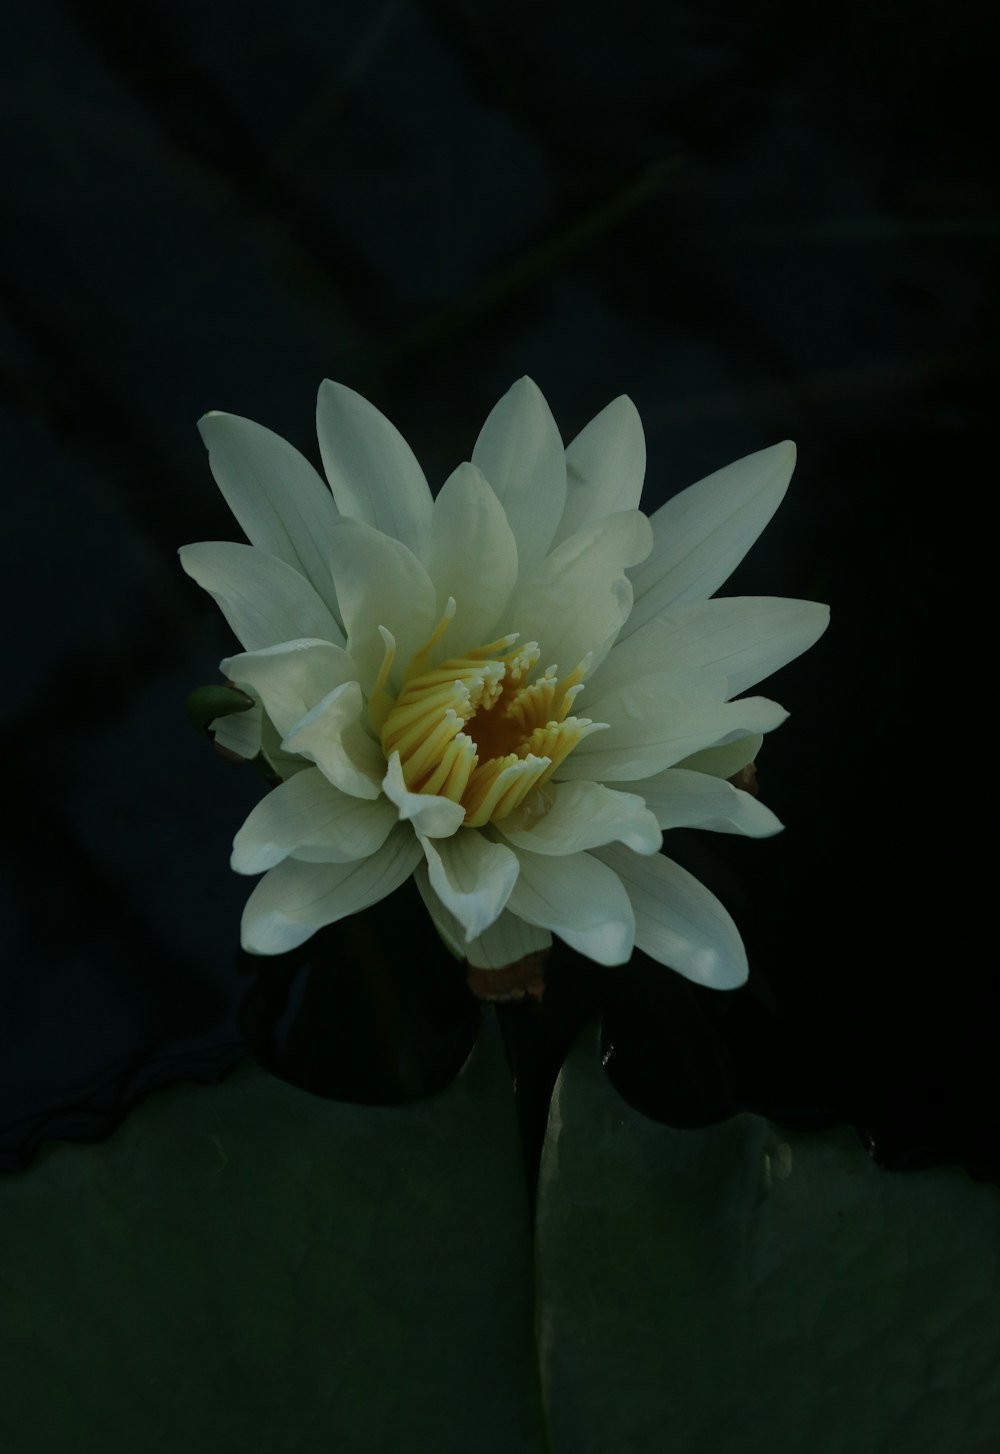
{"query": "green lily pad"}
pixel 250 1267
pixel 743 1288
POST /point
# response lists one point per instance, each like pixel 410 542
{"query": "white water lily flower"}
pixel 417 666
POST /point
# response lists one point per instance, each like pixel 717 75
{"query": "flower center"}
pixel 477 728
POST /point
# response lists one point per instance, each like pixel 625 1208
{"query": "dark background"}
pixel 760 221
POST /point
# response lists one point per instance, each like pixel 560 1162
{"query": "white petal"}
pixel 290 678
pixel 278 498
pixel 264 599
pixel 332 736
pixel 506 941
pixel 648 733
pixel 679 798
pixel 373 472
pixel 575 601
pixel 380 583
pixel 702 534
pixel 239 732
pixel 307 812
pixel 605 467
pixel 520 452
pixel 472 876
pixel 431 815
pixel 472 557
pixel 579 899
pixel 746 638
pixel 678 922
pixel 646 662
pixel 284 764
pixel 450 930
pixel 725 761
pixel 295 899
pixel 582 815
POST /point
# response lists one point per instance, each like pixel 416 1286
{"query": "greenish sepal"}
pixel 204 704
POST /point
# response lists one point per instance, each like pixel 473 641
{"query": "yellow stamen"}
pixel 481 794
pixel 476 728
pixel 379 700
pixel 494 647
pixel 426 757
pixel 451 777
pixel 416 708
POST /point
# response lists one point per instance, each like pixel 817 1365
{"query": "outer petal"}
pixel 278 498
pixel 290 678
pixel 295 899
pixel 580 900
pixel 472 877
pixel 307 812
pixel 239 732
pixel 263 598
pixel 373 472
pixel 506 941
pixel 575 602
pixel 677 921
pixel 679 798
pixel 746 638
pixel 605 468
pixel 471 556
pixel 649 733
pixel 520 452
pixel 724 761
pixel 380 583
pixel 583 815
pixel 284 764
pixel 444 921
pixel 646 664
pixel 431 815
pixel 331 735
pixel 702 534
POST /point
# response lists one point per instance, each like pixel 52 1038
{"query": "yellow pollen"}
pixel 478 729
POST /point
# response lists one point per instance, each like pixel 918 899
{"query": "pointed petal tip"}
pixel 786 453
pixel 239 862
pixel 207 422
pixel 467 475
pixel 527 386
pixel 332 386
pixel 734 980
pixel 274 939
pixel 268 934
pixel 780 457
